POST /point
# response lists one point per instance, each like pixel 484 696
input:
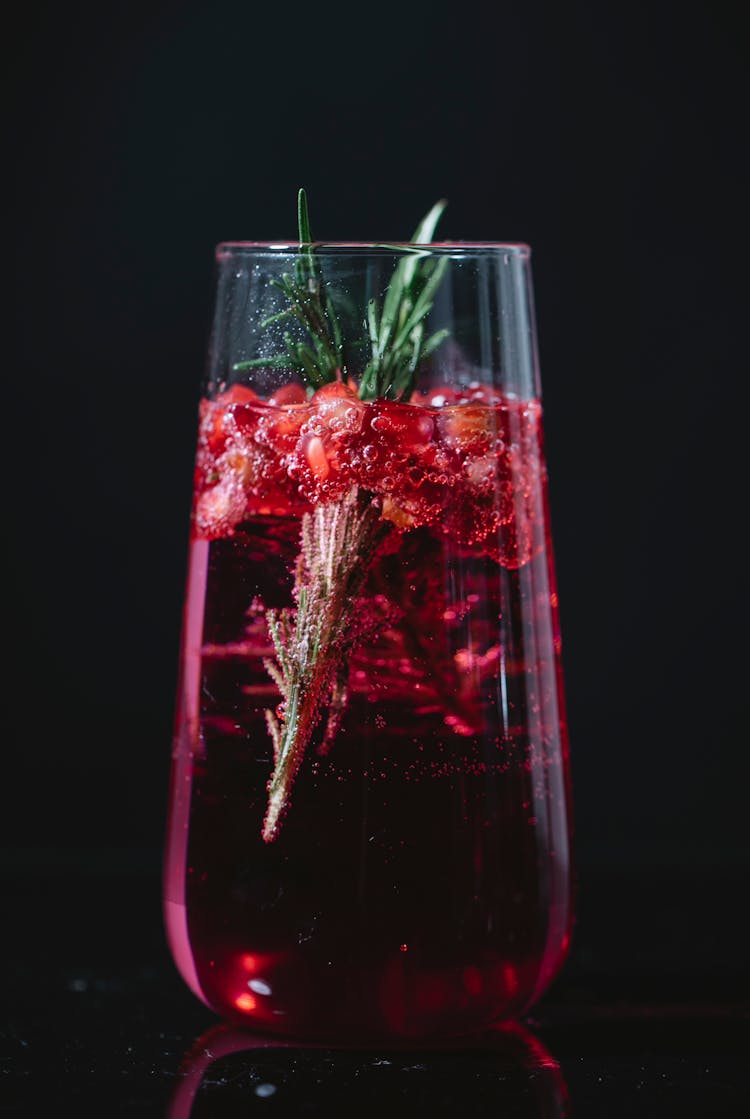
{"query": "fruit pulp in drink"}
pixel 418 884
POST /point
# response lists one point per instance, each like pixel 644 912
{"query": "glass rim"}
pixel 520 249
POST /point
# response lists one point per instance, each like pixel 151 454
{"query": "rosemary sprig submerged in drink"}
pixel 313 638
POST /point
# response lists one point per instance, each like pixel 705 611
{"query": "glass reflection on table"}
pixel 505 1072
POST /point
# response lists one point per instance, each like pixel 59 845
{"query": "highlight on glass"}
pixel 368 829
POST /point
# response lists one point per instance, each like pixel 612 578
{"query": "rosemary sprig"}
pixel 312 641
pixel 320 359
pixel 396 331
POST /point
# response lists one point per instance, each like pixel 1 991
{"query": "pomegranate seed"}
pixel 288 394
pixel 401 426
pixel 316 457
pixel 334 390
pixel 237 394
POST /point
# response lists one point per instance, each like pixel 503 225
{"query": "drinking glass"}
pixel 368 831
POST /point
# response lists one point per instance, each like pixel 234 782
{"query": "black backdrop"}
pixel 610 137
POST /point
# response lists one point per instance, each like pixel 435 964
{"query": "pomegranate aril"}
pixel 401 427
pixel 288 394
pixel 314 451
pixel 336 390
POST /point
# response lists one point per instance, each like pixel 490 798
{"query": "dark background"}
pixel 611 137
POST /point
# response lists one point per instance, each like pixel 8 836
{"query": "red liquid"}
pixel 418 885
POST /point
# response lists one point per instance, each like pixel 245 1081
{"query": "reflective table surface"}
pixel 650 1018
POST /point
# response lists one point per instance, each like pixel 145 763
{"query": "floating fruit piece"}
pixel 244 462
pixel 481 472
pixel 217 416
pixel 230 411
pixel 237 394
pixel 395 513
pixel 339 408
pixel 467 427
pixel 337 388
pixel 278 429
pixel 288 394
pixel 401 427
pixel 313 449
pixel 220 508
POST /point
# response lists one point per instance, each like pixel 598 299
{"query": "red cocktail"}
pixel 369 812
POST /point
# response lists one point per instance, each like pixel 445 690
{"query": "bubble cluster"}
pixel 466 462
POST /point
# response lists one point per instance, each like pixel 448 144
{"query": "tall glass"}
pixel 369 811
